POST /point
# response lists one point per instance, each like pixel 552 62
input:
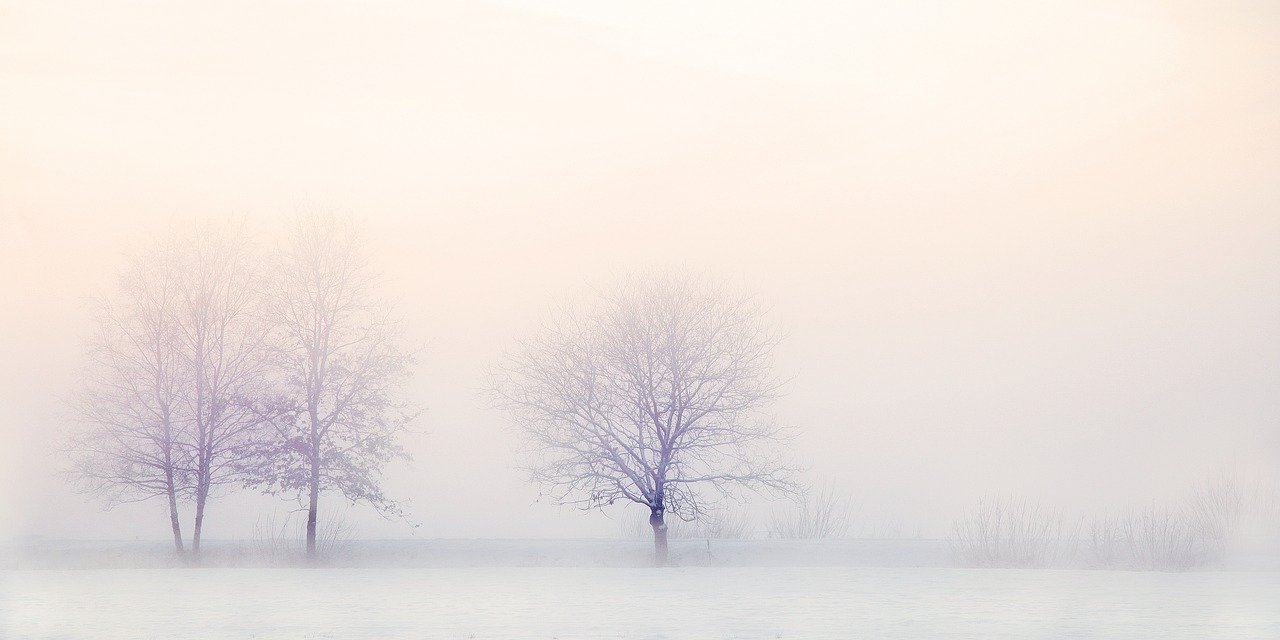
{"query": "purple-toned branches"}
pixel 175 366
pixel 129 407
pixel 223 343
pixel 655 396
pixel 337 365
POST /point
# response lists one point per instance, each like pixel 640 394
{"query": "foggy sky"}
pixel 1027 249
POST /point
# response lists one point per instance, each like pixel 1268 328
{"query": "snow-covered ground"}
pixel 441 553
pixel 635 602
pixel 603 589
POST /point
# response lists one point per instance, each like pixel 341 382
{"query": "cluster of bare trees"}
pixel 213 366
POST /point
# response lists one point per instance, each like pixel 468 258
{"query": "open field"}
pixel 690 602
pixel 768 600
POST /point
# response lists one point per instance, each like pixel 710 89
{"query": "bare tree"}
pixel 223 339
pixel 175 366
pixel 337 421
pixel 130 405
pixel 655 397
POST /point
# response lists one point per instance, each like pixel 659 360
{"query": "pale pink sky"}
pixel 1030 248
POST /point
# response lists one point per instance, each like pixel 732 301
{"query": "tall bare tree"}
pixel 339 364
pixel 223 340
pixel 177 367
pixel 130 405
pixel 656 397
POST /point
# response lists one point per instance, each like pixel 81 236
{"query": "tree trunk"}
pixel 169 484
pixel 659 536
pixel 173 514
pixel 313 412
pixel 311 511
pixel 201 497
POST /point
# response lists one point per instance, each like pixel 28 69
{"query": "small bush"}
pixel 821 515
pixel 1011 532
pixel 1196 532
pixel 283 540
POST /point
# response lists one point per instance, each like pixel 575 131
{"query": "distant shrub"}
pixel 824 514
pixel 1196 532
pixel 283 541
pixel 1011 532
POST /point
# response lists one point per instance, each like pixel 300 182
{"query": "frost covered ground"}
pixel 762 601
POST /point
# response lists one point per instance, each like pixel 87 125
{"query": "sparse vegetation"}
pixel 1197 531
pixel 284 540
pixel 1012 532
pixel 712 524
pixel 824 514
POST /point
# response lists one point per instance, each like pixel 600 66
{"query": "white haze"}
pixel 1028 249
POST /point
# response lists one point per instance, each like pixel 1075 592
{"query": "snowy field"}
pixel 634 602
